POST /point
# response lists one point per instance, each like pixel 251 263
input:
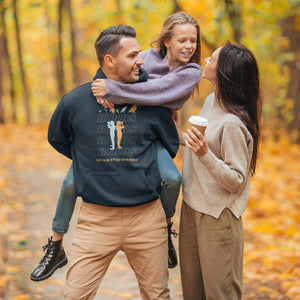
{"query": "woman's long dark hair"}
pixel 238 90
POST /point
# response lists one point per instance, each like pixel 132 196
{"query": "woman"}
pixel 216 176
pixel 176 60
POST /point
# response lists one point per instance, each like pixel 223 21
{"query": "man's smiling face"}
pixel 128 61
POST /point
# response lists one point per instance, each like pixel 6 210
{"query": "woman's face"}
pixel 182 44
pixel 210 70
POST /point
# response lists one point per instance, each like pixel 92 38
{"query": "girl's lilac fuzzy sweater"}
pixel 164 87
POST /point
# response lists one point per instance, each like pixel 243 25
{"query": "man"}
pixel 116 174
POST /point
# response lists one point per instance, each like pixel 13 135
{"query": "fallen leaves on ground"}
pixel 272 223
pixel 271 220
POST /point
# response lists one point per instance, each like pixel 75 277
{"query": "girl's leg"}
pixel 65 204
pixel 55 256
pixel 171 181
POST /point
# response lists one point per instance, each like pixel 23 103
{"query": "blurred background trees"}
pixel 47 48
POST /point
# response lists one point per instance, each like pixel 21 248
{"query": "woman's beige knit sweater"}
pixel 221 178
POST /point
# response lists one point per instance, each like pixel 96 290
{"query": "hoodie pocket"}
pixel 118 188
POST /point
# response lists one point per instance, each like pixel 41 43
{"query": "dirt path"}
pixel 31 173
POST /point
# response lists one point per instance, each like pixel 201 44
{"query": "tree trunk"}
pixel 60 69
pixel 21 63
pixel 233 11
pixel 74 52
pixel 293 89
pixel 177 7
pixel 6 58
pixel 53 49
pixel 2 120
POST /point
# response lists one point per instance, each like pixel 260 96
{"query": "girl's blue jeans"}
pixel 170 180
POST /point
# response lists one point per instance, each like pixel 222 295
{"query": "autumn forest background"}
pixel 46 49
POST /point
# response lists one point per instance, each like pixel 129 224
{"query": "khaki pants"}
pixel 211 255
pixel 140 231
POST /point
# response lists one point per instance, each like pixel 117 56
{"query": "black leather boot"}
pixel 54 258
pixel 172 256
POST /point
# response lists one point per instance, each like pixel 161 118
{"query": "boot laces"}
pixel 174 233
pixel 49 254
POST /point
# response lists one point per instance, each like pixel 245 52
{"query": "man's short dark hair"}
pixel 108 42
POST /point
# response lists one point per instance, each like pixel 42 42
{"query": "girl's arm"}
pixel 171 90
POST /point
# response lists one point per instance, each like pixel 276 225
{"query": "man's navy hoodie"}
pixel 113 152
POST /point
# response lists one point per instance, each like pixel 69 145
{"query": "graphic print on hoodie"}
pixel 116 130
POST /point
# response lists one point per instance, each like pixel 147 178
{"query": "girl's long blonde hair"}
pixel 179 18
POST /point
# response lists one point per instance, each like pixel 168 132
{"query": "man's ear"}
pixel 109 60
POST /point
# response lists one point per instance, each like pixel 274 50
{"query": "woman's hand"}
pixel 195 140
pixel 99 90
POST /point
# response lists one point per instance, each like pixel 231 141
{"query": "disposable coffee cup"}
pixel 198 122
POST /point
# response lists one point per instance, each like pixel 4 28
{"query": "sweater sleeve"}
pixel 232 169
pixel 59 131
pixel 171 90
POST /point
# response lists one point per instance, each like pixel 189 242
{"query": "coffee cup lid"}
pixel 197 120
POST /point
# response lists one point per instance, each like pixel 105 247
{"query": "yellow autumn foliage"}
pixel 39 41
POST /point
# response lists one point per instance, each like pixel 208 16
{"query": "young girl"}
pixel 216 175
pixel 174 72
